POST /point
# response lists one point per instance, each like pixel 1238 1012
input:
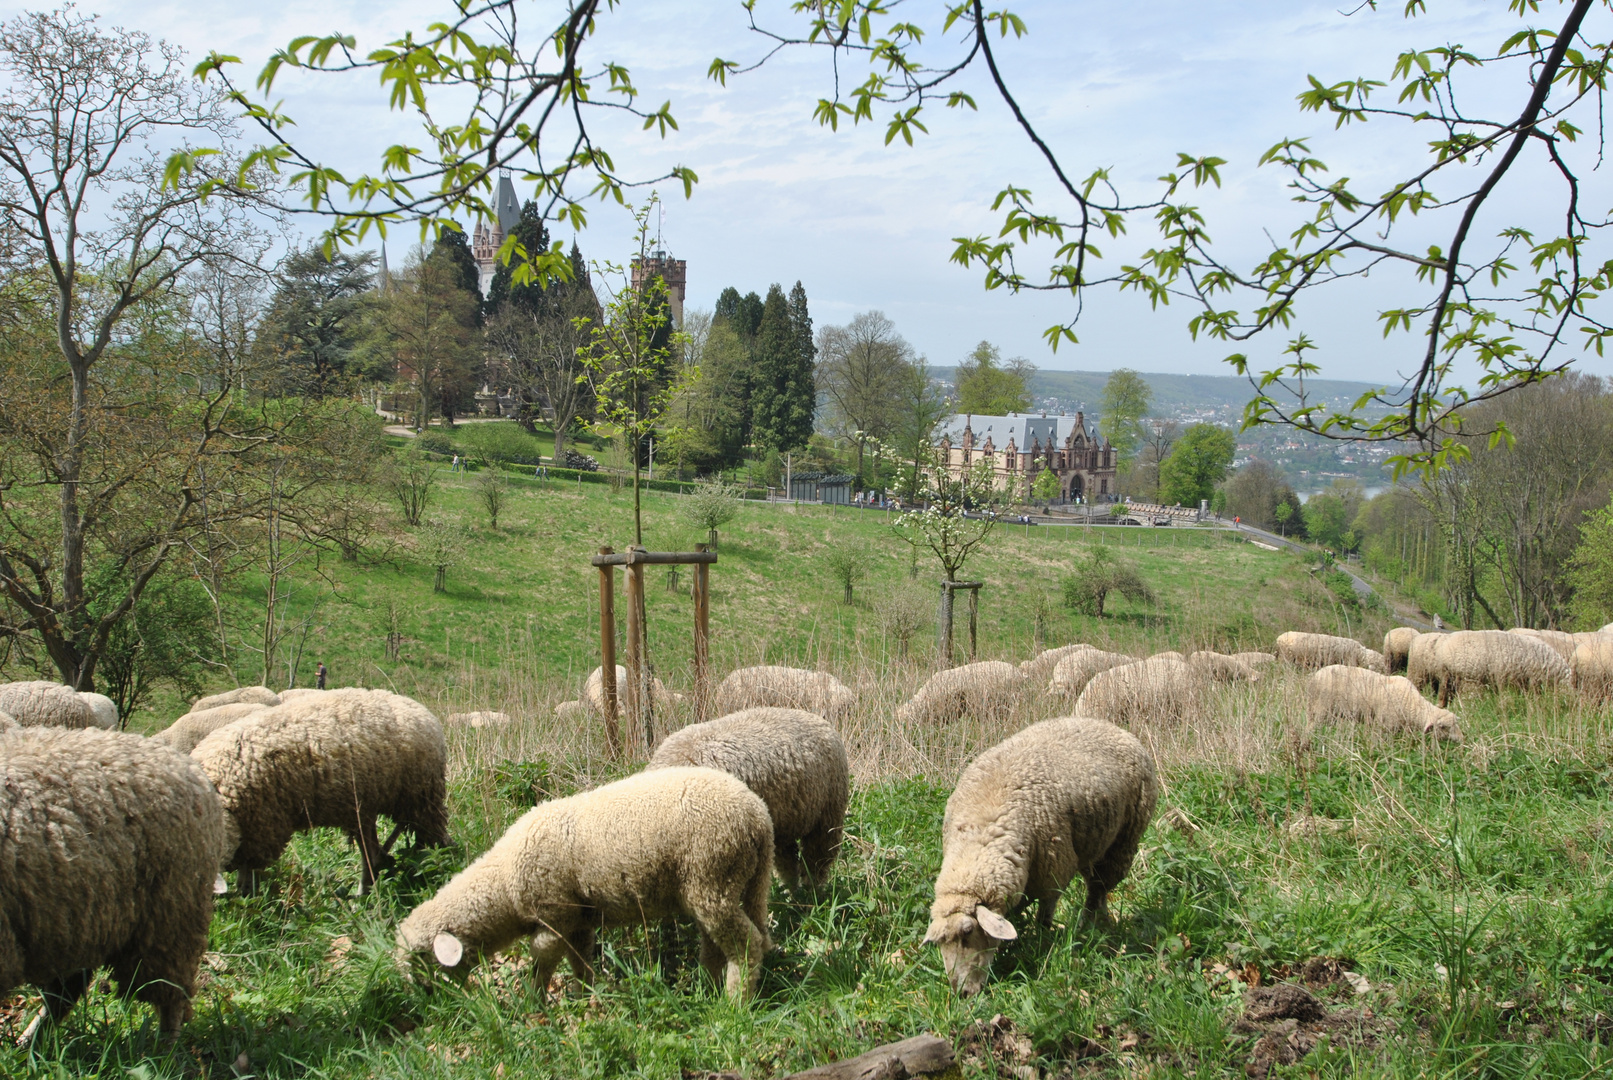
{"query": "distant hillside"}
pixel 1172 393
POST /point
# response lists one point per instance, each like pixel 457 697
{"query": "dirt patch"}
pixel 998 1048
pixel 1287 1021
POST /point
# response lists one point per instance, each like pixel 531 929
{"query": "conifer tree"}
pixel 533 236
pixel 453 249
pixel 783 397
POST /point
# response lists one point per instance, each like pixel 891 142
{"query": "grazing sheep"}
pixel 1063 797
pixel 41 703
pixel 1219 667
pixel 1492 658
pixel 797 764
pixel 785 688
pixel 183 734
pixel 1592 667
pixel 111 849
pixel 337 760
pixel 1397 647
pixel 1256 660
pixel 1168 654
pixel 1312 651
pixel 1074 671
pixel 7 723
pixel 669 842
pixel 103 710
pixel 1562 644
pixel 478 719
pixel 572 712
pixel 303 691
pixel 1043 664
pixel 1153 691
pixel 1341 692
pixel 593 694
pixel 259 695
pixel 1606 629
pixel 983 690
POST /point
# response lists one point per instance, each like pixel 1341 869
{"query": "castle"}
pixel 675 272
pixel 1019 446
pixel 487 239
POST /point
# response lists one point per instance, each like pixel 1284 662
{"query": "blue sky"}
pixel 865 226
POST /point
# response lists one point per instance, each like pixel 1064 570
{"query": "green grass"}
pixel 1276 843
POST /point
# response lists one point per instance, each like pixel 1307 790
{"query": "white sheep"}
pixel 785 688
pixel 593 694
pixel 303 691
pixel 1075 670
pixel 1153 691
pixel 183 734
pixel 797 764
pixel 7 723
pixel 257 695
pixel 103 710
pixel 1311 651
pixel 1256 660
pixel 1592 666
pixel 1397 647
pixel 1219 667
pixel 339 760
pixel 1063 797
pixel 1041 666
pixel 41 703
pixel 1492 658
pixel 1562 644
pixel 1391 702
pixel 987 689
pixel 111 849
pixel 478 719
pixel 670 842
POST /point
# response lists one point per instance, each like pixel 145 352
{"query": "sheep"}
pixel 1155 690
pixel 1063 797
pixel 1397 647
pixel 1044 663
pixel 1342 692
pixel 785 688
pixel 1592 668
pixel 183 734
pixel 112 846
pixel 983 690
pixel 1220 667
pixel 663 843
pixel 41 703
pixel 478 719
pixel 1074 671
pixel 1256 660
pixel 797 764
pixel 301 692
pixel 7 723
pixel 260 695
pixel 334 760
pixel 1311 651
pixel 593 694
pixel 1607 628
pixel 1561 643
pixel 1486 657
pixel 103 710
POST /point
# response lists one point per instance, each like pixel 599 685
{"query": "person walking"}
pixel 319 676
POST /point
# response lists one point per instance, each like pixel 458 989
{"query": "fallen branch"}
pixel 918 1056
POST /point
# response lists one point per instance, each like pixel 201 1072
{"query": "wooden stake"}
pixel 636 711
pixel 702 641
pixel 974 611
pixel 943 627
pixel 607 653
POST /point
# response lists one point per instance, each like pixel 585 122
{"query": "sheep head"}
pixel 968 944
pixel 1444 725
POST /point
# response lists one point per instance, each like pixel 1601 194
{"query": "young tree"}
pixel 410 477
pixel 1590 570
pixel 959 513
pixel 1098 573
pixel 919 407
pixel 314 324
pixel 784 394
pixel 491 491
pixel 1046 487
pixel 1197 463
pixel 440 545
pixel 1126 397
pixel 862 367
pixel 709 507
pixel 711 412
pixel 848 565
pixel 988 387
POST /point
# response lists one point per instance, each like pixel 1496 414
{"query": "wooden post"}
pixel 943 629
pixel 637 712
pixel 607 653
pixel 702 641
pixel 974 610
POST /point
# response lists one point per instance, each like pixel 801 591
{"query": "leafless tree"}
pixel 538 355
pixel 862 366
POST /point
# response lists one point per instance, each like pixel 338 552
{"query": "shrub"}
pixel 903 615
pixel 440 542
pixel 848 564
pixel 575 460
pixel 710 506
pixel 1097 574
pixel 435 442
pixel 500 443
pixel 491 489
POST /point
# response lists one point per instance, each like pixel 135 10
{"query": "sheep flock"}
pixel 759 788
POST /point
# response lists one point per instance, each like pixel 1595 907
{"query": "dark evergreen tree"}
pixel 452 247
pixel 803 382
pixel 743 313
pixel 727 308
pixel 781 405
pixel 313 326
pixel 533 235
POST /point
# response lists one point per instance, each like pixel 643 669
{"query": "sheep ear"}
pixel 994 924
pixel 447 949
pixel 220 886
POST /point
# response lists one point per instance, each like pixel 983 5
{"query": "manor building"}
pixel 1019 446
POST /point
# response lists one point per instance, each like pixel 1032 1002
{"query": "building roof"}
pixel 1024 428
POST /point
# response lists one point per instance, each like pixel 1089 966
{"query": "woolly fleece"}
pixel 983 690
pixel 1390 702
pixel 1312 651
pixel 785 688
pixel 41 703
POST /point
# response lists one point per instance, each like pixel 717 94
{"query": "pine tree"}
pixel 781 401
pixel 533 235
pixel 803 388
pixel 452 247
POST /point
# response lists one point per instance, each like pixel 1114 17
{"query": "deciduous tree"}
pixel 1197 463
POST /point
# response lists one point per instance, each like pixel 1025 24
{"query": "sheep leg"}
pixel 60 997
pixel 548 948
pixel 730 940
pixel 580 954
pixel 386 848
pixel 373 859
pixel 787 862
pixel 819 848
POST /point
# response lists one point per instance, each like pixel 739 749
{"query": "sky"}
pixel 868 226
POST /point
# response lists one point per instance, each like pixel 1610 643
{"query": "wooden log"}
pixel 607 653
pixel 919 1056
pixel 654 558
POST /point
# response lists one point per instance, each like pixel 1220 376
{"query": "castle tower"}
pixel 675 272
pixel 487 239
